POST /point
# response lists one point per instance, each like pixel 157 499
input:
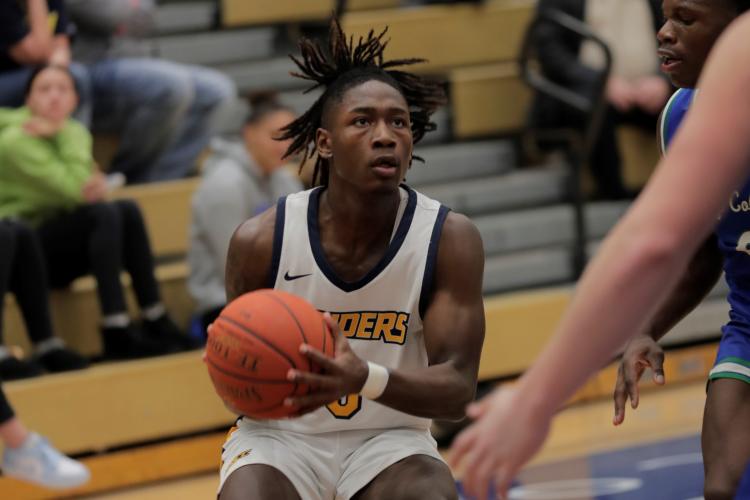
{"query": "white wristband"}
pixel 377 379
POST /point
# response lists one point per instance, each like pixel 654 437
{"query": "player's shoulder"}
pixel 257 232
pixel 671 116
pixel 460 229
pixel 455 226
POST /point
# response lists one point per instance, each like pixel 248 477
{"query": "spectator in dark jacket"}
pixel 163 112
pixel 635 92
pixel 32 33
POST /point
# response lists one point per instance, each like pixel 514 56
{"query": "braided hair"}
pixel 343 65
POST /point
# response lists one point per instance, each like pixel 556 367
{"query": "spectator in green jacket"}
pixel 48 178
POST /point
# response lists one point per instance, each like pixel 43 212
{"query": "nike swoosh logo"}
pixel 288 277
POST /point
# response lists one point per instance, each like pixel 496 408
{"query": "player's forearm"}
pixel 701 276
pixel 439 391
pixel 37 18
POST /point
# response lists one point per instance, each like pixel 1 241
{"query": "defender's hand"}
pixel 340 376
pixel 642 352
pixel 505 435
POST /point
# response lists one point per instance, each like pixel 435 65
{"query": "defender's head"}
pixel 691 27
pixel 364 125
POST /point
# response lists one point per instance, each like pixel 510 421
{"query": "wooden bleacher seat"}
pixel 75 311
pixel 246 12
pixel 118 404
pixel 449 35
pixel 167 211
pixel 488 100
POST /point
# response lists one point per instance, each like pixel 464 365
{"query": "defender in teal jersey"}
pixel 689 32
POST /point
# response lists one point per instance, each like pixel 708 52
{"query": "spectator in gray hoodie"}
pixel 241 180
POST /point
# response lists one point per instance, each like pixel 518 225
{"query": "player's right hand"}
pixel 642 352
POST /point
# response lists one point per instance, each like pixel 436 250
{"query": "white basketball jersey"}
pixel 381 314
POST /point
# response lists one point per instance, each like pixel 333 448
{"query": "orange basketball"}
pixel 253 344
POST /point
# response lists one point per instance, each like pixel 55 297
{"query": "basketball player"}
pixel 400 275
pixel 639 264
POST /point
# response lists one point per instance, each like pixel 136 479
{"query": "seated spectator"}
pixel 635 92
pixel 163 112
pixel 47 178
pixel 240 181
pixel 22 272
pixel 33 33
pixel 29 457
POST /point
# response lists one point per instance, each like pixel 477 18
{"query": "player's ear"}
pixel 323 143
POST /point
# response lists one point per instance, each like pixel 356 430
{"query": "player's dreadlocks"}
pixel 345 65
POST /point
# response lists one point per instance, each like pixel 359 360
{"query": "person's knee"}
pixel 169 90
pixel 257 481
pixel 25 235
pixel 129 211
pixel 426 487
pixel 104 215
pixel 212 88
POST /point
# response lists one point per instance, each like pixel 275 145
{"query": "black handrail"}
pixel 592 106
pixel 340 8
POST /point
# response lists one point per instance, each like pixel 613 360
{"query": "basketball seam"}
pixel 296 321
pixel 243 377
pixel 249 331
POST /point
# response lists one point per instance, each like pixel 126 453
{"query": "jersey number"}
pixel 743 245
pixel 346 407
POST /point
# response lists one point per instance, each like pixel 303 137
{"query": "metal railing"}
pixel 579 142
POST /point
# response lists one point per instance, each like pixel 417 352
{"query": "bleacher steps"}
pixel 217 47
pixel 519 189
pixel 185 16
pixel 166 208
pixel 458 161
pixel 253 76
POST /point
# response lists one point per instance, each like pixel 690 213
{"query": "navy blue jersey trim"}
pixel 278 239
pixel 432 252
pixel 390 253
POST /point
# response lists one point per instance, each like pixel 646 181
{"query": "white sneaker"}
pixel 36 461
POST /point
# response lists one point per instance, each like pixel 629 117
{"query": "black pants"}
pixel 606 160
pixel 6 411
pixel 102 239
pixel 22 271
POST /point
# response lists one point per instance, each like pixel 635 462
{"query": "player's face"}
pixel 369 140
pixel 690 29
pixel 52 95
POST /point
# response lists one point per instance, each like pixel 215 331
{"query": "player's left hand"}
pixel 504 436
pixel 340 376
